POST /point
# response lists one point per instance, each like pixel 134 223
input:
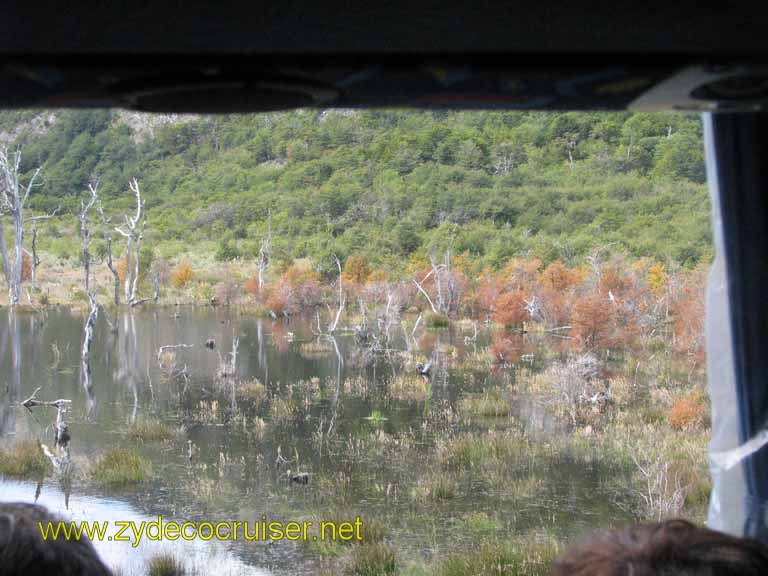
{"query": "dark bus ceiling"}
pixel 237 57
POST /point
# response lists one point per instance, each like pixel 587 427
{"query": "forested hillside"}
pixel 389 186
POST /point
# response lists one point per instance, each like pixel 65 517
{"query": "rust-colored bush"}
pixel 252 286
pixel 688 310
pixel 614 281
pixel 182 274
pixel 557 277
pixel 688 411
pixel 277 300
pixel 593 317
pixel 506 348
pixel 122 269
pixel 555 307
pixel 509 310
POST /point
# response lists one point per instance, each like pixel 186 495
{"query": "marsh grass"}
pixel 25 460
pixel 165 565
pixel 372 530
pixel 252 390
pixel 437 487
pixel 491 403
pixel 282 409
pixel 372 560
pixel 407 387
pixel 120 467
pixel 316 349
pixel 149 430
pixel 480 523
pixel 519 557
pixel 478 450
pixel 669 475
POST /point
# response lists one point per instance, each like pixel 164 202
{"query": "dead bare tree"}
pixel 4 252
pixel 133 235
pixel 90 323
pixel 85 357
pixel 332 328
pixel 85 233
pixel 35 257
pixel 13 199
pixel 229 370
pixel 445 285
pixel 106 223
pixel 264 252
pixel 420 286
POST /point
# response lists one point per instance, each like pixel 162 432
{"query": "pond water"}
pixel 353 413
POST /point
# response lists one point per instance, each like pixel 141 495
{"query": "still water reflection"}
pixel 351 411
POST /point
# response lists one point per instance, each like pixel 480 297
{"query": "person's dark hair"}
pixel 24 552
pixel 674 547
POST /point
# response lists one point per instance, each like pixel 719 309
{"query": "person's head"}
pixel 671 548
pixel 23 550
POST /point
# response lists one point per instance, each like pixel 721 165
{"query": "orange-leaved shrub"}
pixel 593 316
pixel 506 348
pixel 557 277
pixel 182 274
pixel 688 310
pixel 252 286
pixel 510 310
pixel 26 267
pixel 122 269
pixel 688 411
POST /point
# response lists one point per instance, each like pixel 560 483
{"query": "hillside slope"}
pixel 386 185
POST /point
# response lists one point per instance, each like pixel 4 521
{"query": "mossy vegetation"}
pixel 149 430
pixel 120 467
pixel 25 459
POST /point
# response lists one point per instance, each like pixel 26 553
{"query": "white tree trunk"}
pixel 335 324
pixel 108 241
pixel 133 235
pixel 13 197
pixel 4 254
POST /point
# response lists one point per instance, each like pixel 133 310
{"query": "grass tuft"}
pixel 165 565
pixel 372 560
pixel 120 467
pixel 502 559
pixel 149 431
pixel 490 403
pixel 25 460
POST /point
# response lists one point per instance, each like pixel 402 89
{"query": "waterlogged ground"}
pixel 434 465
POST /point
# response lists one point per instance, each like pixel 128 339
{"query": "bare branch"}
pixel 43 217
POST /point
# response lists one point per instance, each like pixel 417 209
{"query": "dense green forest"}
pixel 390 186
